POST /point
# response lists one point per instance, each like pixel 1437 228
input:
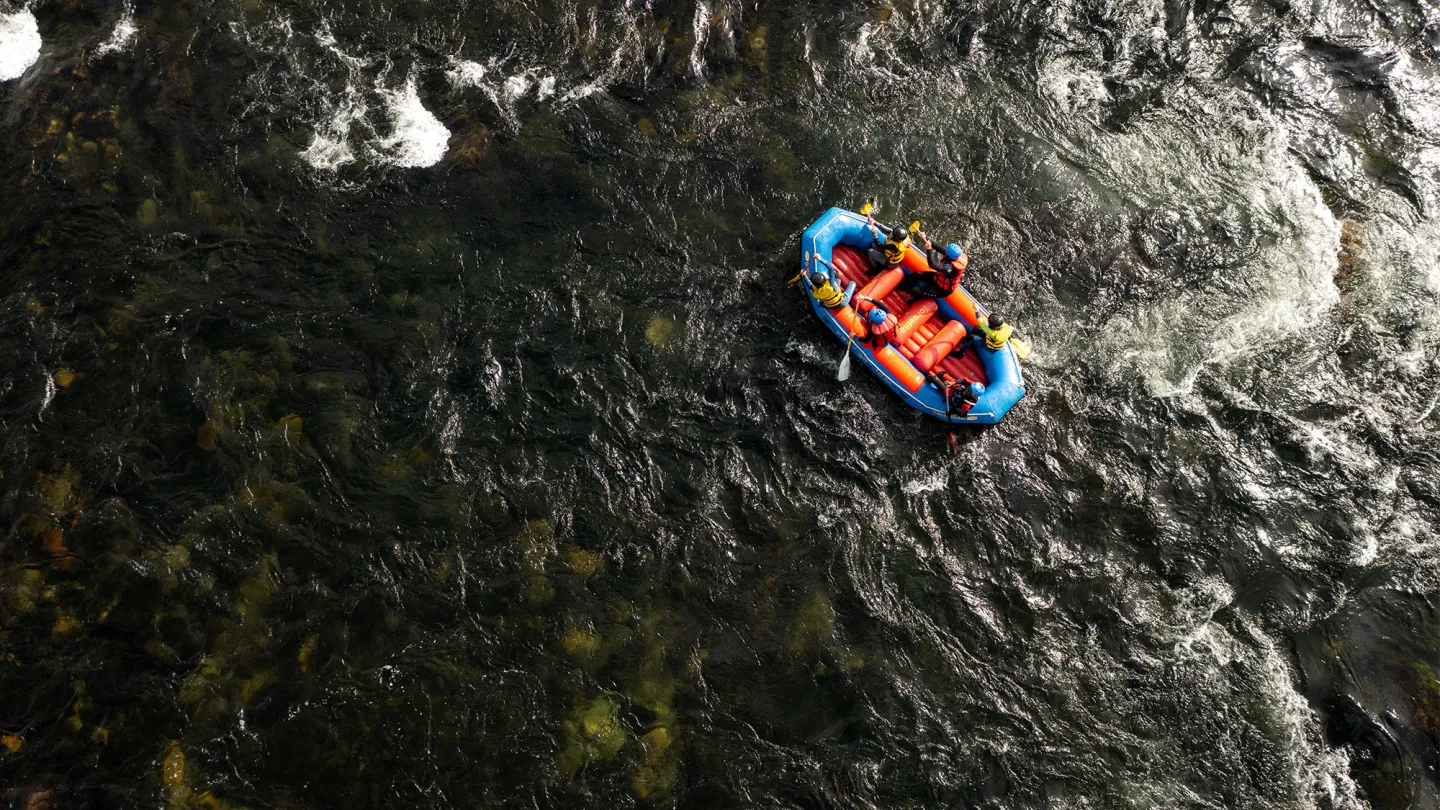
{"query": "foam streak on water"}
pixel 122 35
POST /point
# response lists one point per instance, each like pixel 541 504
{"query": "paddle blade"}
pixel 915 226
pixel 844 373
pixel 866 209
pixel 1022 349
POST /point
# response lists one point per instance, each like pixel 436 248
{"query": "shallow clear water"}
pixel 403 406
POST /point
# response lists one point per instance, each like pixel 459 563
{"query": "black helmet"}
pixel 996 321
pixel 816 279
pixel 899 234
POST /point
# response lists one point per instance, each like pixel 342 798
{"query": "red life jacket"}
pixel 947 282
pixel 959 402
pixel 882 333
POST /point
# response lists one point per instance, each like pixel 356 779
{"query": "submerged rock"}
pixel 38 798
pixel 593 733
pixel 148 212
pixel 660 331
pixel 52 541
pixel 584 563
pixel 307 650
pixel 208 436
pixel 1352 241
pixel 756 51
pixel 657 774
pixel 814 623
pixel 59 493
pixel 581 644
pixel 652 781
pixel 537 544
pixel 656 742
pixel 472 150
pixel 65 624
pixel 24 592
pixel 172 775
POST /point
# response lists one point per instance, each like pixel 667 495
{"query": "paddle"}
pixel 801 271
pixel 844 373
pixel 869 206
pixel 945 385
pixel 949 408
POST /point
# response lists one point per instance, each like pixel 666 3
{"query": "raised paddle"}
pixel 868 207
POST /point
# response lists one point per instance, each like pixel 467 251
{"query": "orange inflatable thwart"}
pixel 883 284
pixel 917 314
pixel 940 346
pixel 900 367
pixel 848 319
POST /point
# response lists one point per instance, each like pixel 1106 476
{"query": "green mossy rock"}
pixel 148 213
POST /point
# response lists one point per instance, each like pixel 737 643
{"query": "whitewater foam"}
pixel 19 44
pixel 121 36
pixel 1288 284
pixel 702 22
pixel 418 139
pixel 330 148
pixel 465 73
pixel 1069 85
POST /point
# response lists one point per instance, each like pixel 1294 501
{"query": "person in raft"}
pixel 828 293
pixel 995 331
pixel 890 253
pixel 882 328
pixel 960 396
pixel 946 270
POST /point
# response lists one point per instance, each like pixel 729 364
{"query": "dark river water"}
pixel 402 406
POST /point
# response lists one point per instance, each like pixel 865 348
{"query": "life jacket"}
pixel 995 338
pixel 960 264
pixel 947 281
pixel 946 274
pixel 961 399
pixel 894 251
pixel 882 333
pixel 828 296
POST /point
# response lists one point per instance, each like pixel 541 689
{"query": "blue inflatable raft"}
pixel 929 332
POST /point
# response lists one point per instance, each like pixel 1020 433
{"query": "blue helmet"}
pixel 977 388
pixel 877 315
pixel 953 251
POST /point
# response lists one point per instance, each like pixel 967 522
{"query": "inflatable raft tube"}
pixel 928 331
